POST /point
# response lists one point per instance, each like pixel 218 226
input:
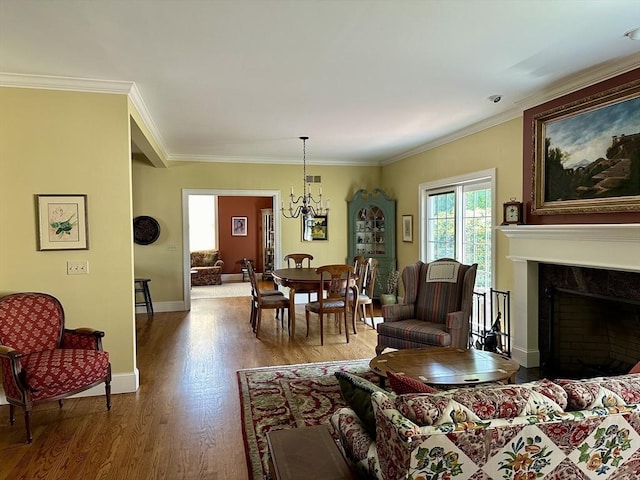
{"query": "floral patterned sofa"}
pixel 571 429
pixel 206 267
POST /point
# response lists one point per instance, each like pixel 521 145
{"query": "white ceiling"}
pixel 368 81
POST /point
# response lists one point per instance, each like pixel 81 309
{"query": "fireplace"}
pixel 593 248
pixel 589 321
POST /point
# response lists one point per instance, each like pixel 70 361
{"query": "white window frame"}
pixel 448 184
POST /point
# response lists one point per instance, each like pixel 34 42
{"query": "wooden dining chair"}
pixel 263 292
pixel 297 260
pixel 260 302
pixel 338 281
pixel 360 266
pixel 366 286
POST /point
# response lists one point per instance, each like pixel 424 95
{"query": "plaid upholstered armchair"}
pixel 43 361
pixel 436 310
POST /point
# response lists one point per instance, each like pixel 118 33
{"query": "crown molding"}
pixel 20 80
pixel 266 160
pixel 562 87
pixel 458 134
pixel 141 107
pixel 48 82
pixel 584 79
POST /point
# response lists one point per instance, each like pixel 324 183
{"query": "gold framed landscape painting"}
pixel 62 222
pixel 586 154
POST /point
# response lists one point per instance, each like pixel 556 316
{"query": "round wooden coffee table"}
pixel 446 366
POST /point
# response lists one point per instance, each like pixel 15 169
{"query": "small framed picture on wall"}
pixel 238 226
pixel 407 228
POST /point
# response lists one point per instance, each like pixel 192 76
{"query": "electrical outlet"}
pixel 78 267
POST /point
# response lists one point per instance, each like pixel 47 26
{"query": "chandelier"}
pixel 305 205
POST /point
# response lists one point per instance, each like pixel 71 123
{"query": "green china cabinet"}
pixel 372 230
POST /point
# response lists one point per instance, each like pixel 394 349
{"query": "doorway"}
pixel 186 194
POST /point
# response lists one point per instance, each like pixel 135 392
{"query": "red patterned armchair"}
pixel 41 360
pixel 437 307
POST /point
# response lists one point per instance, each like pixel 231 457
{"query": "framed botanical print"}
pixel 62 222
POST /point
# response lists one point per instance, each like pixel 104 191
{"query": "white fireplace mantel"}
pixel 606 246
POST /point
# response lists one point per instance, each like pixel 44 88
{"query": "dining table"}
pixel 302 279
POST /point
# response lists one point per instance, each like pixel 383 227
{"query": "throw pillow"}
pixel 357 391
pixel 636 368
pixel 402 384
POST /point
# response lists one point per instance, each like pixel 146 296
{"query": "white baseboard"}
pixel 175 306
pixel 120 383
pixel 526 358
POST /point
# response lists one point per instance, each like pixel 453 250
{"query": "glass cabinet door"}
pixel 370 232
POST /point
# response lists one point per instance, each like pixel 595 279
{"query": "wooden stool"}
pixel 243 268
pixel 142 286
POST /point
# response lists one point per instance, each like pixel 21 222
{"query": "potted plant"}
pixel 388 281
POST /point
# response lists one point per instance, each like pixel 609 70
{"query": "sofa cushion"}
pixel 402 384
pixel 509 401
pixel 600 392
pixel 590 395
pixel 433 409
pixel 550 390
pixel 55 372
pixel 418 331
pixel 483 403
pixel 357 391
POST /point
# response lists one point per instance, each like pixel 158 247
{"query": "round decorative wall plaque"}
pixel 146 230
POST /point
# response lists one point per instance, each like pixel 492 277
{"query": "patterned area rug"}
pixel 288 396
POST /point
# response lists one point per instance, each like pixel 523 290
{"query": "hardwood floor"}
pixel 184 421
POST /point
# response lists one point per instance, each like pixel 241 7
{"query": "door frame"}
pixel 217 192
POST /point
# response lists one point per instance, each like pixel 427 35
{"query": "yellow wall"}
pixel 71 142
pixel 158 192
pixel 60 142
pixel 499 147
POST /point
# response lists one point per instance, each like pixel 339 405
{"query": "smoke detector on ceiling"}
pixel 633 34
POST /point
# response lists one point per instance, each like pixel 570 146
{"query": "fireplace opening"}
pixel 589 321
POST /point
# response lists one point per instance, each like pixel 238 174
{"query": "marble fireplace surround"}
pixel 605 246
